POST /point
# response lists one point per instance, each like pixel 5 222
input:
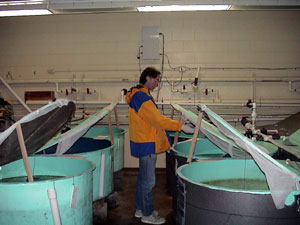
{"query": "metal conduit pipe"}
pixel 236 104
pixel 196 103
pixel 177 68
pixel 257 119
pixel 118 79
pixel 50 81
pixel 196 68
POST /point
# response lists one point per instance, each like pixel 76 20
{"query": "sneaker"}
pixel 154 218
pixel 138 213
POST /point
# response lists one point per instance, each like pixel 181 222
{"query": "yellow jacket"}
pixel 147 126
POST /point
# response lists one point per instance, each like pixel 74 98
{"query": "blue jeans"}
pixel 143 199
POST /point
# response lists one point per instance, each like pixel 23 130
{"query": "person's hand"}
pixel 187 129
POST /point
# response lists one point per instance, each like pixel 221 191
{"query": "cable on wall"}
pixel 139 58
pixel 162 64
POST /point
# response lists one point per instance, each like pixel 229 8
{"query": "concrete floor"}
pixel 123 214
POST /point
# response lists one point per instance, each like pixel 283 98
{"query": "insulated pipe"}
pixel 56 85
pixel 225 104
pixel 54 206
pixel 180 102
pixel 253 115
pixel 133 80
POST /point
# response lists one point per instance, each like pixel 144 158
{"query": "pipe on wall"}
pixel 51 81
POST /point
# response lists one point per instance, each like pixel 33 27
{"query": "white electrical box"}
pixel 150 43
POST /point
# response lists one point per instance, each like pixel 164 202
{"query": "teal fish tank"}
pixel 69 180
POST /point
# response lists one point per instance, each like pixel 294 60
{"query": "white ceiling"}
pixel 76 6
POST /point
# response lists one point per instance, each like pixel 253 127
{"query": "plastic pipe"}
pixel 54 206
pixel 122 96
pixel 101 176
pixel 56 85
pixel 253 115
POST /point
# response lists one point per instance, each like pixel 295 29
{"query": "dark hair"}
pixel 148 72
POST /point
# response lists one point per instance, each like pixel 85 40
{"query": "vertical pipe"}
pixel 54 206
pixel 253 114
pixel 101 176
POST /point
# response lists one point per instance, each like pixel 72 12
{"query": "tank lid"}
pixel 66 140
pixel 37 128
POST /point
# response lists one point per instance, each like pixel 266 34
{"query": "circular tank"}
pixel 204 149
pixel 179 154
pixel 282 154
pixel 170 158
pixel 118 151
pixel 271 148
pixel 182 136
pixel 25 202
pixel 232 191
pixel 100 152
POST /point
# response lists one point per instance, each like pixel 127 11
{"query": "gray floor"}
pixel 123 214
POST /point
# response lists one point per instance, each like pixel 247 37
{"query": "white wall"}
pixel 103 47
pixel 99 52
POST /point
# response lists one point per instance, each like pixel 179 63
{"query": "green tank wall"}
pixel 203 148
pixel 28 203
pixel 234 191
pixel 119 143
pixel 102 184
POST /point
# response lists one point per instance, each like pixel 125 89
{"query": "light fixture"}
pixel 182 8
pixel 25 12
pixel 20 2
